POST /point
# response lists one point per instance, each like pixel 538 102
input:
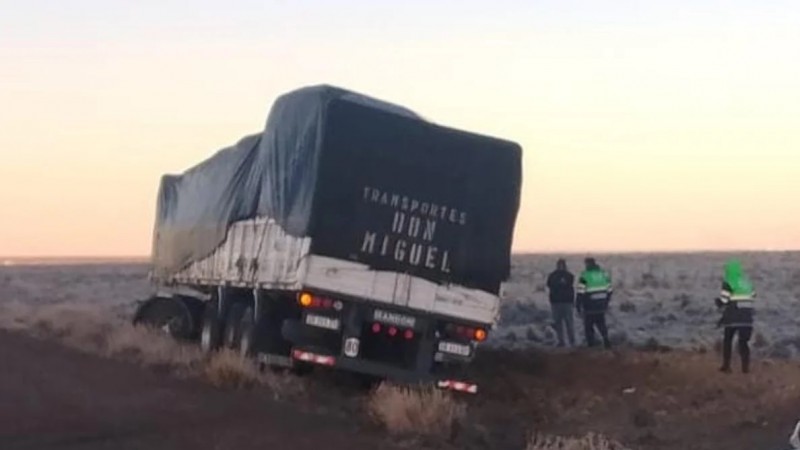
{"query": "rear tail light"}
pixel 480 335
pixel 393 331
pixel 309 300
pixel 465 332
pixel 305 299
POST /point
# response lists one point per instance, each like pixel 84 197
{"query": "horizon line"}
pixel 525 252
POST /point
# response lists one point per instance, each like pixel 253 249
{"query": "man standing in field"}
pixel 560 284
pixel 594 294
pixel 736 302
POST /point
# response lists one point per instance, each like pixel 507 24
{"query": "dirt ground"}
pixel 646 400
pixel 52 397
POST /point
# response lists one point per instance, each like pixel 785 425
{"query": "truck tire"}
pixel 261 335
pixel 248 338
pixel 196 307
pixel 257 334
pixel 233 326
pixel 167 314
pixel 210 333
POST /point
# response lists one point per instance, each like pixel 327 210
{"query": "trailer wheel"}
pixel 258 336
pixel 167 314
pixel 210 332
pixel 233 326
pixel 247 338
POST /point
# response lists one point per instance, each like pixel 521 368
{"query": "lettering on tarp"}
pixel 410 237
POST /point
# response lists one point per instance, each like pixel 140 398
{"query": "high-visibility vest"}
pixel 741 292
pixel 594 280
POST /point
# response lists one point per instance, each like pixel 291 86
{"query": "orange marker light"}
pixel 306 299
pixel 480 335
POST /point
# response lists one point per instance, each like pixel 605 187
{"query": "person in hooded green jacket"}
pixel 736 302
pixel 594 294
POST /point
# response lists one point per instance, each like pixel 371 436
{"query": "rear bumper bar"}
pixel 382 370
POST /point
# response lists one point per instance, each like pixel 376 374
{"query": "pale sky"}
pixel 644 125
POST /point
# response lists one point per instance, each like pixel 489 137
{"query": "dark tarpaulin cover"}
pixel 369 181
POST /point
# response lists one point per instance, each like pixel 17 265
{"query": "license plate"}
pixel 322 322
pixel 454 348
pixel 394 318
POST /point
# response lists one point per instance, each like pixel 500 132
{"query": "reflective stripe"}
pixel 459 386
pixel 325 360
pixel 599 289
pixel 741 298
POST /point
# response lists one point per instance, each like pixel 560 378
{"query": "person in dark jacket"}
pixel 594 294
pixel 736 302
pixel 560 284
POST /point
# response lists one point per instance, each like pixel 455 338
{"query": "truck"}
pixel 350 233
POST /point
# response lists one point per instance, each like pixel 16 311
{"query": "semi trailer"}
pixel 349 233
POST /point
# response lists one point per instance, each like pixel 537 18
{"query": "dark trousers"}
pixel 562 319
pixel 592 321
pixel 744 349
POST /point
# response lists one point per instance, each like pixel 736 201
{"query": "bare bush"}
pixel 151 348
pixel 415 410
pixel 230 370
pixel 590 441
pixel 82 327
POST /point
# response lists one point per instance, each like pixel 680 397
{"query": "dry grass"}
pixel 228 369
pixel 419 410
pixel 98 331
pixel 590 441
pixel 151 348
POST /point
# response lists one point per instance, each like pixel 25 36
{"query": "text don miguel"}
pixel 412 234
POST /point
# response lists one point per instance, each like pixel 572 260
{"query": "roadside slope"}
pixel 54 397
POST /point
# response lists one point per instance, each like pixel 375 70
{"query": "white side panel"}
pixel 259 253
pixel 255 253
pixel 423 294
pixel 387 287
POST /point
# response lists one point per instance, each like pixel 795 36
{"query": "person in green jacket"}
pixel 594 294
pixel 736 302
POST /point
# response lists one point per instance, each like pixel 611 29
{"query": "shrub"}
pixel 419 410
pixel 230 370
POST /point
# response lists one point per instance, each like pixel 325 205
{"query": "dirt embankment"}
pixel 672 400
pixel 52 397
pixel 55 397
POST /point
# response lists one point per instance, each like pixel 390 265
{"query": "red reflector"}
pixel 392 331
pixel 460 329
pixel 458 386
pixel 376 328
pixel 409 334
pixel 324 360
pixel 327 303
